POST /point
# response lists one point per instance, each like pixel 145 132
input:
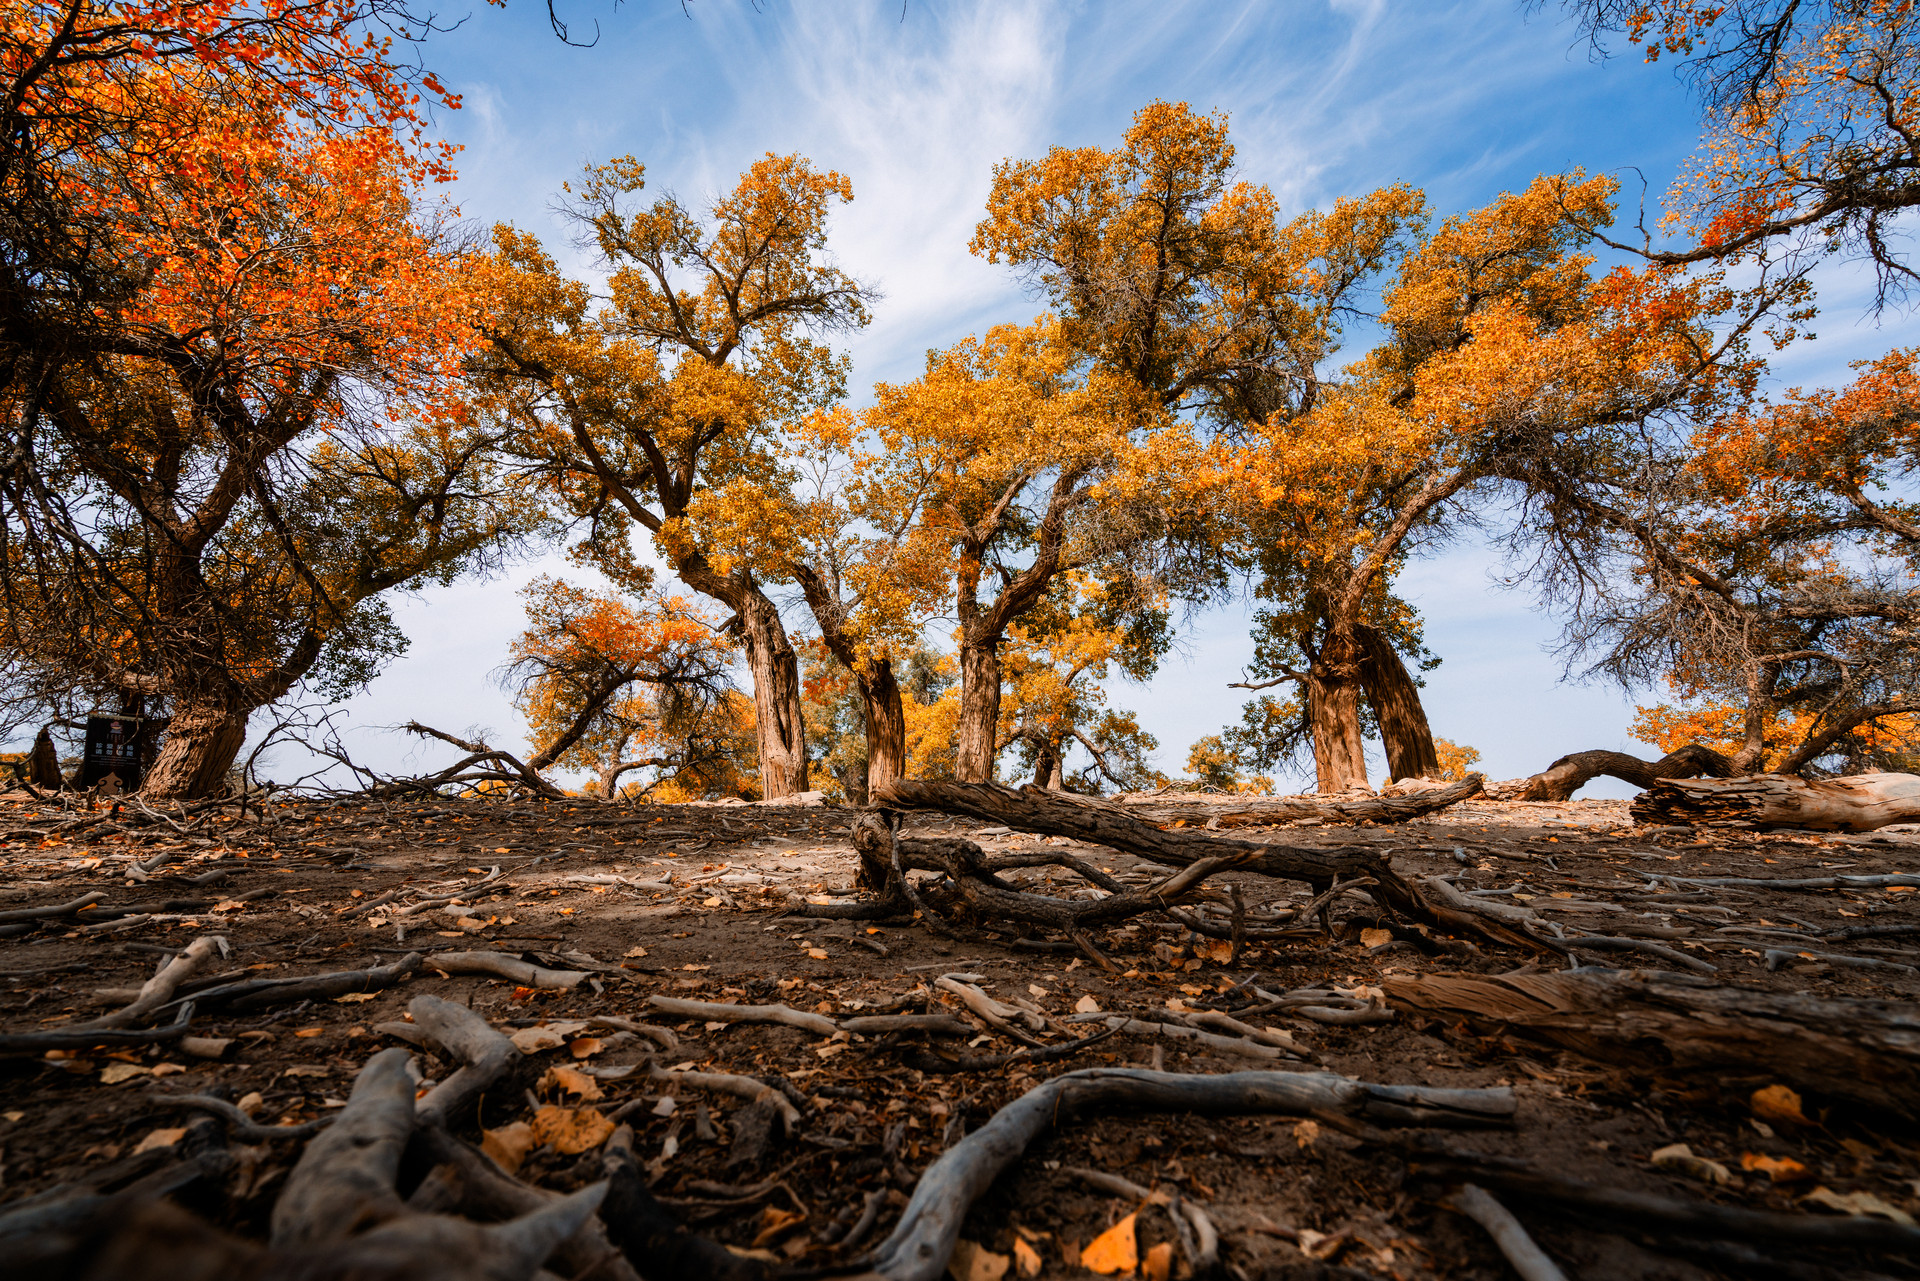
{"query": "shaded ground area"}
pixel 697 901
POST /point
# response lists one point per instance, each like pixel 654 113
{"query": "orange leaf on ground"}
pixel 1159 1262
pixel 571 1130
pixel 1782 1169
pixel 973 1262
pixel 1115 1250
pixel 1778 1103
pixel 573 1081
pixel 508 1145
pixel 1026 1258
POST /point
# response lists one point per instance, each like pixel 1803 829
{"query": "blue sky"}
pixel 1326 98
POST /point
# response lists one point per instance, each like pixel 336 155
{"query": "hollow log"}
pixel 1560 780
pixel 1855 803
pixel 1863 1052
pixel 1249 811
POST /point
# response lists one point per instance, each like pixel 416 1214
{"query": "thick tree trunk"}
pixel 1560 780
pixel 1333 709
pixel 43 766
pixel 886 719
pixel 977 733
pixel 200 748
pixel 1858 803
pixel 1395 700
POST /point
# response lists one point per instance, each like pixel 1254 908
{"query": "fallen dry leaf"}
pixel 114 1073
pixel 1778 1103
pixel 1858 1203
pixel 1375 938
pixel 508 1145
pixel 773 1222
pixel 1115 1250
pixel 817 953
pixel 571 1130
pixel 1679 1157
pixel 160 1139
pixel 585 1047
pixel 354 998
pixel 1158 1265
pixel 1306 1133
pixel 532 1040
pixel 636 952
pixel 971 1261
pixel 1026 1258
pixel 1086 1005
pixel 572 1081
pixel 1783 1169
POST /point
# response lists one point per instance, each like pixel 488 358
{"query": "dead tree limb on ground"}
pixel 1863 1052
pixel 482 764
pixel 1247 811
pixel 923 1241
pixel 1033 809
pixel 1560 780
pixel 1856 803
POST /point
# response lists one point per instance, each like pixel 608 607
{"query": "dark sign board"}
pixel 122 745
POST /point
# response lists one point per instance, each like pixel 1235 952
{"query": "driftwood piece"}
pixel 81 1039
pixel 1035 809
pixel 1529 1261
pixel 259 994
pixel 1560 780
pixel 159 989
pixel 483 1190
pixel 1250 811
pixel 499 965
pixel 343 1183
pixel 922 1242
pixel 1863 1052
pixel 1855 803
pixel 717 1012
pixel 53 909
pixel 482 1051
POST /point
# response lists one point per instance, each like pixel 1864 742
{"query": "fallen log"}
pixel 259 994
pixel 1862 1052
pixel 1250 811
pixel 1560 780
pixel 1855 803
pixel 923 1241
pixel 1033 809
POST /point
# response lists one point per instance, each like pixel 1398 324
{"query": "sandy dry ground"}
pixel 697 901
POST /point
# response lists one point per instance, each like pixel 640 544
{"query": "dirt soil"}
pixel 1291 1197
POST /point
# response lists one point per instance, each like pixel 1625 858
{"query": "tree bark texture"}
pixel 43 766
pixel 1333 710
pixel 977 733
pixel 886 719
pixel 201 745
pixel 1560 780
pixel 779 721
pixel 1864 1052
pixel 1856 803
pixel 1395 700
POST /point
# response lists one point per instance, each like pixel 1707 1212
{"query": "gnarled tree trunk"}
pixel 976 735
pixel 1395 700
pixel 202 742
pixel 886 723
pixel 1333 710
pixel 780 723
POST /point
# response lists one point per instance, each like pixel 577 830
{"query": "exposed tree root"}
pixel 1248 811
pixel 922 1242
